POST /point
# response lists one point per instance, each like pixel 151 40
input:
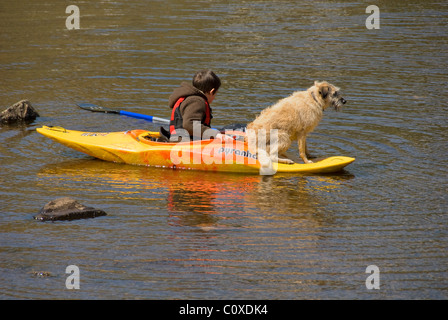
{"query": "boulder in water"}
pixel 67 208
pixel 21 111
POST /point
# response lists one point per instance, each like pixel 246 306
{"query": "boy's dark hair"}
pixel 206 80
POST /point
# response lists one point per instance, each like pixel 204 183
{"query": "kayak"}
pixel 140 147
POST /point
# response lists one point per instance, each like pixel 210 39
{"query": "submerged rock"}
pixel 41 274
pixel 67 208
pixel 21 111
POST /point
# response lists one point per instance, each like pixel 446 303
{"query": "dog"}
pixel 294 117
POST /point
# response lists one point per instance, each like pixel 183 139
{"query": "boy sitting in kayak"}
pixel 190 104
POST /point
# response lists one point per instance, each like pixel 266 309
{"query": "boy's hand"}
pixel 224 137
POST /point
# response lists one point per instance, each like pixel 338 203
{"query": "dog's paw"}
pixel 286 161
pixel 309 161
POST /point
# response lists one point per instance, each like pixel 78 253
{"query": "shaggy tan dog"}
pixel 294 117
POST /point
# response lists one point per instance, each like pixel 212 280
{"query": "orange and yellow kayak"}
pixel 139 147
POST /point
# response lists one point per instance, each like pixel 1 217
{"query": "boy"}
pixel 191 103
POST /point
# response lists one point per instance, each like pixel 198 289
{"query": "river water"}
pixel 194 235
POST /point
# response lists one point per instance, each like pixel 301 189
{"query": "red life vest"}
pixel 176 116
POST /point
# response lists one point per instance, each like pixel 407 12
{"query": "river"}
pixel 194 235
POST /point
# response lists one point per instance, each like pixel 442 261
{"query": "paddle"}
pixel 95 108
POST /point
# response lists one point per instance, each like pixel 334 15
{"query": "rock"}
pixel 67 208
pixel 21 111
pixel 41 274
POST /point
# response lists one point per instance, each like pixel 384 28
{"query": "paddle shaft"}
pixel 144 117
pixel 95 108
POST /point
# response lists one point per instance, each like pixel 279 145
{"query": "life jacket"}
pixel 176 120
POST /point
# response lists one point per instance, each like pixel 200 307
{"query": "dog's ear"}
pixel 324 91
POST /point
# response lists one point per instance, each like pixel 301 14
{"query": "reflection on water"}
pixel 183 234
pixel 192 198
pixel 213 219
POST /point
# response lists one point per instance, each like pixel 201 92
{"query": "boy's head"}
pixel 206 81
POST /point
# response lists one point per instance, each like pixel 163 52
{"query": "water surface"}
pixel 191 235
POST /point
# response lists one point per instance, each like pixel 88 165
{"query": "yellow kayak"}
pixel 139 147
